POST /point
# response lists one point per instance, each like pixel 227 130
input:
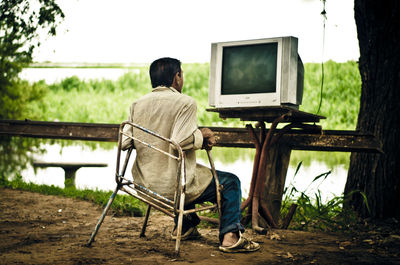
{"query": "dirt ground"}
pixel 39 229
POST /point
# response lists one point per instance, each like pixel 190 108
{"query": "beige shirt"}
pixel 172 115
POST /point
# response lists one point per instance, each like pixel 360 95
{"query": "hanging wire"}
pixel 323 14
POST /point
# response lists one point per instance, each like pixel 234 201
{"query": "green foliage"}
pixel 99 101
pixel 16 154
pixel 314 214
pixel 122 205
pixel 20 22
pixel 17 100
pixel 331 159
pixel 108 101
pixel 340 105
pixel 341 93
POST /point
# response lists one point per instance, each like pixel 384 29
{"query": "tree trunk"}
pixel 378 175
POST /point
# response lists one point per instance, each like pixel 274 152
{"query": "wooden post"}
pixel 70 174
pixel 277 167
pixel 70 169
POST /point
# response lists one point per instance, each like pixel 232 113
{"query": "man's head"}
pixel 166 72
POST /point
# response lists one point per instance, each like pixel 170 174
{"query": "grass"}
pixel 341 94
pixel 313 213
pixel 122 205
pixel 107 101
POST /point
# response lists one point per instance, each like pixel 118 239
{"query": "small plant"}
pixel 312 213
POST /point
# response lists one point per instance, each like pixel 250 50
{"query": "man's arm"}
pixel 185 130
pixel 194 141
pixel 126 141
pixel 208 138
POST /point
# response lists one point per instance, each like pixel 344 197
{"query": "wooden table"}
pixel 70 169
pixel 271 159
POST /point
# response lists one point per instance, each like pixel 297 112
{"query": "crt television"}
pixel 256 73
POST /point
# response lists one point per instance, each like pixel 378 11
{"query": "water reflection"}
pixel 103 178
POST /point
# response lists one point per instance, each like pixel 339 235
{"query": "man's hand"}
pixel 208 138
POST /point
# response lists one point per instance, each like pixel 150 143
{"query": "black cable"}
pixel 323 13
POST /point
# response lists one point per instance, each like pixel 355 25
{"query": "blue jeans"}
pixel 231 196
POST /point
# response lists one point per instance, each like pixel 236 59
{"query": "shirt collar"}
pixel 164 88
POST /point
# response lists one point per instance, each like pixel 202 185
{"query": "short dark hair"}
pixel 163 70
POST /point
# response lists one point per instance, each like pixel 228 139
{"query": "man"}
pixel 172 114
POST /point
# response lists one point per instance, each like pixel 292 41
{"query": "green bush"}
pixel 341 93
pixel 107 101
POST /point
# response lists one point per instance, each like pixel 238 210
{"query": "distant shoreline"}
pixel 85 65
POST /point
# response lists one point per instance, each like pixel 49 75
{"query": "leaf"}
pixel 325 175
pixel 365 200
pixel 345 244
pixel 395 236
pixel 275 236
pixel 297 168
pixel 289 255
pixel 369 241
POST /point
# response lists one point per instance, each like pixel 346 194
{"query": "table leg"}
pixel 255 204
pixel 70 174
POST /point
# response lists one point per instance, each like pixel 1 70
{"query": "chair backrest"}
pixel 158 201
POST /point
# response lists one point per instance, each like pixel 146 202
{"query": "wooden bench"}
pixel 70 169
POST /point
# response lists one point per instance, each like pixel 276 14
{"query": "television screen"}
pixel 249 69
pixel 256 73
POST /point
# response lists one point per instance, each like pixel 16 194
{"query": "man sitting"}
pixel 172 114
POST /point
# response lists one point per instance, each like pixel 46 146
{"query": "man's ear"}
pixel 176 80
pixel 178 75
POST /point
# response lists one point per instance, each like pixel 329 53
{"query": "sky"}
pixel 133 31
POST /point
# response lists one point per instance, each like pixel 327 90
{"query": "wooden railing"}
pixel 325 140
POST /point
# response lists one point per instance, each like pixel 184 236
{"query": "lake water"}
pixel 103 178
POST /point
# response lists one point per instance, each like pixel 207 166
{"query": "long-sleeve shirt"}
pixel 172 115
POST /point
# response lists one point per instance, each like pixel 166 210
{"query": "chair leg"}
pixel 96 229
pixel 178 233
pixel 142 234
pixel 180 223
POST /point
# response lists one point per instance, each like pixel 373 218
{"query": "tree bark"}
pixel 378 175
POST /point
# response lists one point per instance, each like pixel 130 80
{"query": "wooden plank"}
pixel 268 114
pixel 61 130
pixel 76 165
pixel 327 140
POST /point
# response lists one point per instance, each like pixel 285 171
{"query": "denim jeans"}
pixel 231 196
